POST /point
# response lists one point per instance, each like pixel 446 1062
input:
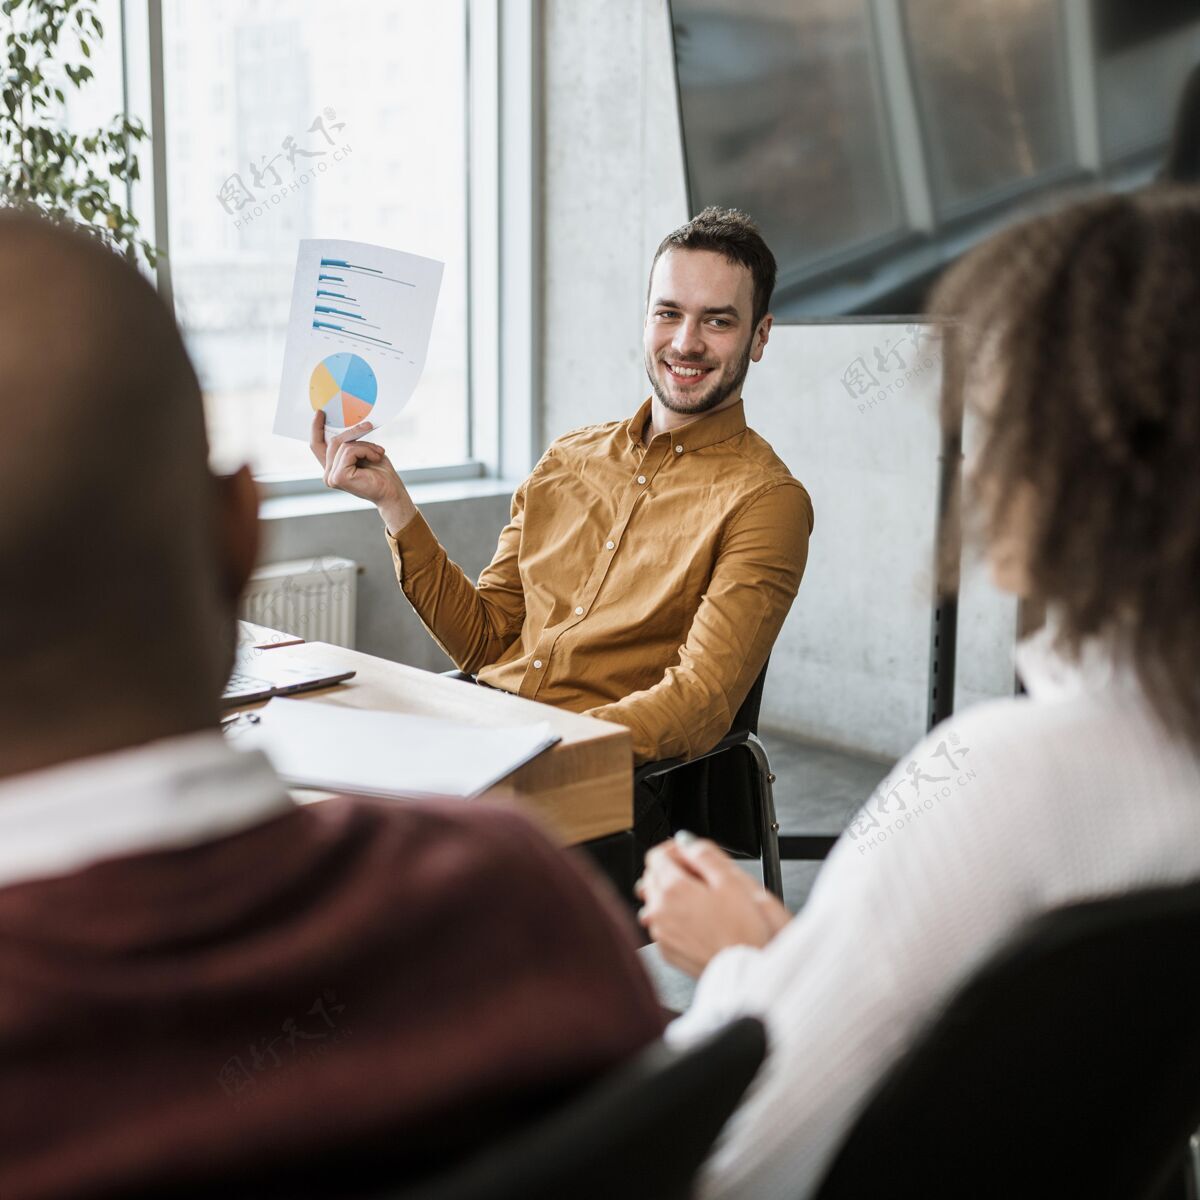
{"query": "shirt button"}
pixel 641 479
pixel 678 449
pixel 579 611
pixel 537 663
pixel 609 545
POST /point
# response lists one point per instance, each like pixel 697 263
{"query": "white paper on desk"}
pixel 357 335
pixel 342 749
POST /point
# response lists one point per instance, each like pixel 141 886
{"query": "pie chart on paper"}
pixel 345 388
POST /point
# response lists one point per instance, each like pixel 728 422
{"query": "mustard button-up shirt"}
pixel 642 584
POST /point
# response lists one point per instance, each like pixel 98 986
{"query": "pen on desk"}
pixel 227 723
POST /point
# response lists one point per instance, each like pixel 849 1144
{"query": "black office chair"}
pixel 726 793
pixel 640 1134
pixel 730 800
pixel 1069 1066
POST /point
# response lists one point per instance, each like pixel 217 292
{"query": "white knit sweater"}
pixel 1011 808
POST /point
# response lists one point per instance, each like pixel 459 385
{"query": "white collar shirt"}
pixel 166 794
pixel 1012 808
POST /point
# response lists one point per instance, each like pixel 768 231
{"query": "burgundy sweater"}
pixel 350 995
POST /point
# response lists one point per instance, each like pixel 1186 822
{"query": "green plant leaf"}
pixel 66 176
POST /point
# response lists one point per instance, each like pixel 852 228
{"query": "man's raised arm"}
pixel 472 623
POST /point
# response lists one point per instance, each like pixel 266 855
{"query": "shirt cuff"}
pixel 644 748
pixel 720 996
pixel 414 546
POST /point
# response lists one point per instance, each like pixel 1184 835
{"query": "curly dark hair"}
pixel 729 232
pixel 1086 321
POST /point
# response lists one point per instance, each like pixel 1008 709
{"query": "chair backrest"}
pixel 715 797
pixel 1068 1066
pixel 640 1134
pixel 745 720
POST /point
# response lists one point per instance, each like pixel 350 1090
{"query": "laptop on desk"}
pixel 258 675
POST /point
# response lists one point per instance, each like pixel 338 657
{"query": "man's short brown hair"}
pixel 732 234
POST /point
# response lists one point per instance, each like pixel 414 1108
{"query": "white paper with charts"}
pixel 368 753
pixel 357 336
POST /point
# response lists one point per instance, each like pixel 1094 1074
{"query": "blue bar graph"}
pixel 341 312
pixel 373 272
pixel 350 332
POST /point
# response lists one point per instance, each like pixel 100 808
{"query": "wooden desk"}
pixel 581 789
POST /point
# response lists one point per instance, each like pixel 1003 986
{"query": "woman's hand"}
pixel 698 902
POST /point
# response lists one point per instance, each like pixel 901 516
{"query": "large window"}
pixel 992 93
pixel 822 156
pixel 876 140
pixel 311 119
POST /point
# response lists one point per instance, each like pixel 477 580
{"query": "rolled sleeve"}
pixel 472 623
pixel 414 547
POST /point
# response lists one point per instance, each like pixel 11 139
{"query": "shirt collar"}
pixel 1103 665
pixel 705 430
pixel 168 794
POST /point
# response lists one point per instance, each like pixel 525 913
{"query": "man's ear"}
pixel 237 529
pixel 760 337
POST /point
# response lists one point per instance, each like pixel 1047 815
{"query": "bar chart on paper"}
pixel 358 334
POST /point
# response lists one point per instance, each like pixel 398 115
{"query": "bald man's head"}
pixel 112 568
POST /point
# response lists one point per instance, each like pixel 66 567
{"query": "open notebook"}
pixel 341 749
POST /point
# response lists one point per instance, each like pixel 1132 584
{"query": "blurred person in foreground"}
pixel 202 984
pixel 1074 340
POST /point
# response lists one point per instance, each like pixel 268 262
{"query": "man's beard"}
pixel 719 391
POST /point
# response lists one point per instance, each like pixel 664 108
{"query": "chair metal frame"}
pixel 743 733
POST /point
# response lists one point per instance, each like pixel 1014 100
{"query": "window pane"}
pixel 990 93
pixel 340 121
pixel 1139 87
pixel 782 117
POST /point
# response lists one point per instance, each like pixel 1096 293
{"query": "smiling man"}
pixel 649 562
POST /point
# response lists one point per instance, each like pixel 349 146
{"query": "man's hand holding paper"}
pixel 362 469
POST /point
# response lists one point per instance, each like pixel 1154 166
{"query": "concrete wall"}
pixel 851 664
